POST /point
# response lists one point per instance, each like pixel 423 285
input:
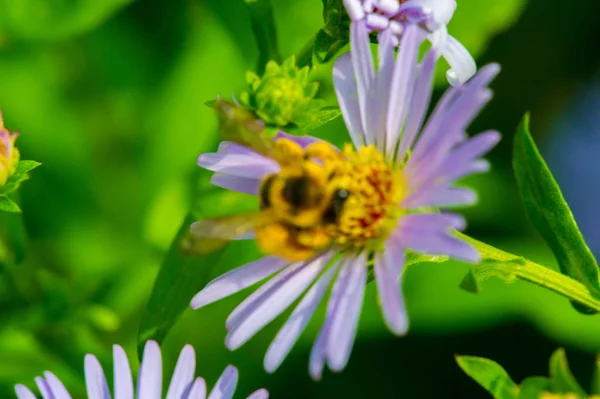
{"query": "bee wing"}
pixel 211 234
pixel 238 125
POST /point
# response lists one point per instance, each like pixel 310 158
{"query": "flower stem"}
pixel 509 267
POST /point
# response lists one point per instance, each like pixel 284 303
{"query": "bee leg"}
pixel 277 239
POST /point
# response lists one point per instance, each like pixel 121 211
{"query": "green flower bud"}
pixel 283 95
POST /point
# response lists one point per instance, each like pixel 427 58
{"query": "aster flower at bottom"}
pixel 338 213
pixel 149 383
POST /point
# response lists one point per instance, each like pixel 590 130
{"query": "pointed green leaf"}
pixel 490 375
pixel 319 118
pixel 596 378
pixel 263 26
pixel 180 277
pixel 470 283
pixel 560 375
pixel 25 166
pixel 533 387
pixel 326 47
pixel 8 205
pixel 549 213
pixel 508 267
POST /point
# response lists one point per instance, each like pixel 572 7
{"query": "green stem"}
pixel 509 267
pixel 304 56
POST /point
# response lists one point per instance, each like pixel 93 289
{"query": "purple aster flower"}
pixel 149 384
pixel 399 170
pixel 433 16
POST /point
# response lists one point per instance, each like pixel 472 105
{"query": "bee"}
pixel 298 206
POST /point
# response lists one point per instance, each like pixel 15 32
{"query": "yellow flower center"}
pixel 323 197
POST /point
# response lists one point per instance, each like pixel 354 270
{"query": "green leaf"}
pixel 533 387
pixel 25 166
pixel 319 118
pixel 326 47
pixel 54 19
pixel 179 278
pixel 263 26
pixel 8 205
pixel 549 213
pixel 20 175
pixel 508 267
pixel 490 375
pixel 595 390
pixel 560 375
pixel 470 283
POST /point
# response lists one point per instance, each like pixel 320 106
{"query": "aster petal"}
pixel 150 377
pixel 388 275
pixel 440 196
pixel 437 243
pixel 44 388
pixel 460 162
pixel 290 332
pixel 440 11
pixel 419 103
pixel 238 279
pixel 198 390
pixel 259 394
pixel 344 83
pixel 251 166
pixel 56 387
pixel 402 86
pixel 225 386
pixel 345 319
pixel 248 304
pixel 462 64
pixel 236 183
pixel 319 349
pixel 302 141
pixel 275 301
pixel 95 380
pixel 354 9
pixel 362 61
pixel 23 392
pixel 380 102
pixel 183 374
pixel 428 222
pixel 122 374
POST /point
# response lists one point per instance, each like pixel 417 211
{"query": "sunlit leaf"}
pixel 179 278
pixel 470 283
pixel 549 213
pixel 532 387
pixel 8 205
pixel 263 26
pixel 319 118
pixel 54 19
pixel 489 375
pixel 561 378
pixel 595 390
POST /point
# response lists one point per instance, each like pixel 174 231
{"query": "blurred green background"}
pixel 109 96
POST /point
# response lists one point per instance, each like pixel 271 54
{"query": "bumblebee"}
pixel 299 206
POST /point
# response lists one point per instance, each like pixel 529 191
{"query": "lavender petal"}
pixel 362 61
pixel 198 390
pixel 183 374
pixel 225 386
pixel 150 377
pixel 440 196
pixel 251 166
pixel 56 387
pixel 402 86
pixel 388 272
pixel 44 388
pixel 95 381
pixel 238 279
pixel 347 92
pixel 290 332
pixel 122 374
pixel 438 243
pixel 23 392
pixel 259 394
pixel 275 302
pixel 236 183
pixel 345 319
